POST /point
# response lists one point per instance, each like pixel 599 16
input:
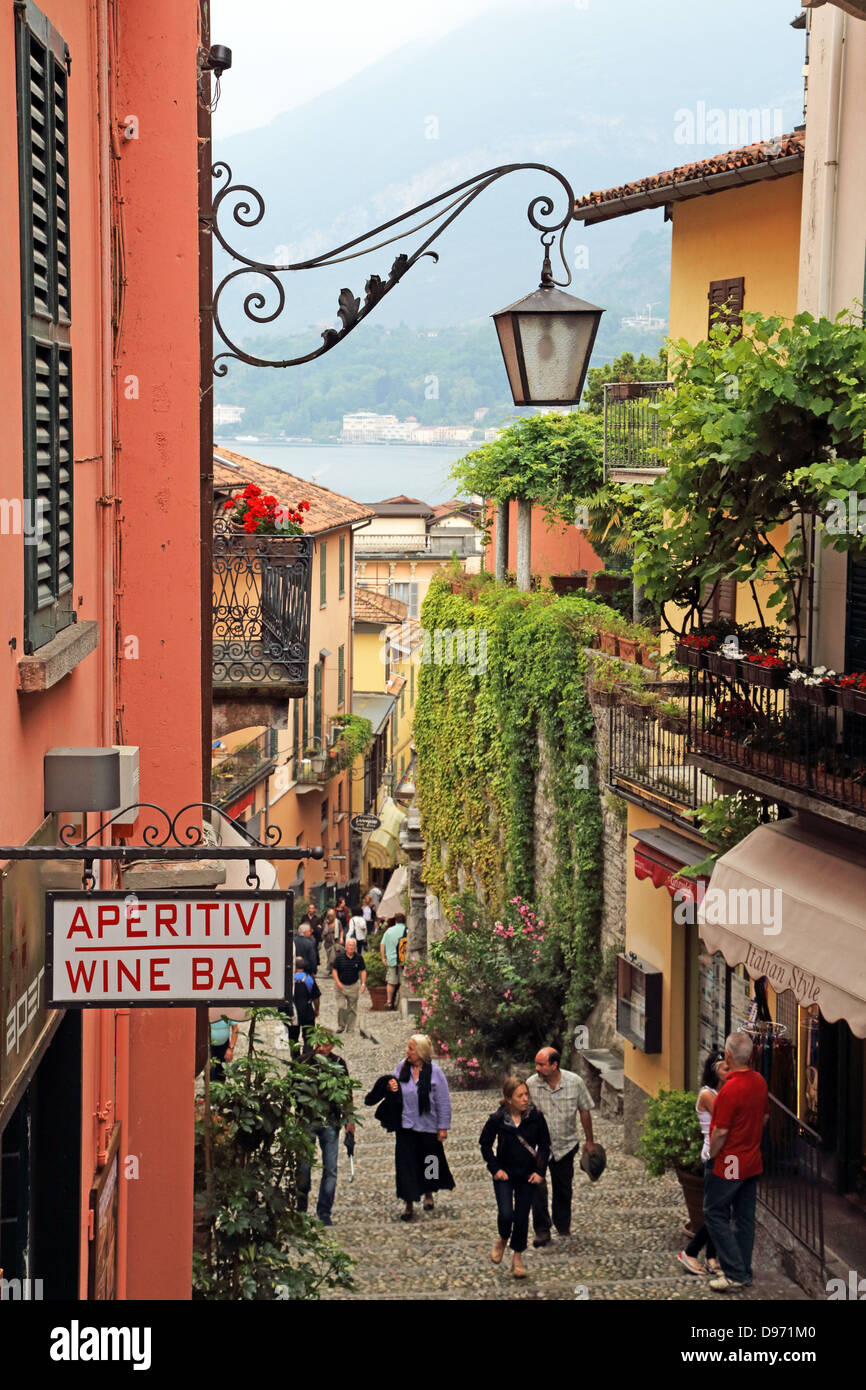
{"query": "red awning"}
pixel 667 876
pixel 241 805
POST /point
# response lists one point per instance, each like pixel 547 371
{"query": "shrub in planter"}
pixel 671 1138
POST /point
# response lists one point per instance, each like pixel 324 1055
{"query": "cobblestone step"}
pixel 626 1228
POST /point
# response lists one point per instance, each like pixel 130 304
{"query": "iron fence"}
pixel 261 610
pixel 795 736
pixel 648 760
pixel 632 433
pixel 790 1186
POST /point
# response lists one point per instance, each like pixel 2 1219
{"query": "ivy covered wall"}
pixel 503 688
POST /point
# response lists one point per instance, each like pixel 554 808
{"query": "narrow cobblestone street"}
pixel 625 1229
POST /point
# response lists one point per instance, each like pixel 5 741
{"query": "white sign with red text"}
pixel 154 948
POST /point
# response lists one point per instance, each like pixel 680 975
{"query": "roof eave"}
pixel 701 187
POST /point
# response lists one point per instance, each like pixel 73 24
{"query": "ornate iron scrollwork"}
pixel 248 209
pixel 261 609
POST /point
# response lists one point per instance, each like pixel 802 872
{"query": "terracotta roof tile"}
pixel 407 635
pixel 372 607
pixel 748 156
pixel 328 510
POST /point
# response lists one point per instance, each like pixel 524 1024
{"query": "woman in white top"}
pixel 714 1076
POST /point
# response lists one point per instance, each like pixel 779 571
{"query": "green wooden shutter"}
pixel 317 703
pixel 341 675
pixel 41 64
pixel 323 575
pixel 342 589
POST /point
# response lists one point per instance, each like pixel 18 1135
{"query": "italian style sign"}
pixel 167 948
pixel 362 824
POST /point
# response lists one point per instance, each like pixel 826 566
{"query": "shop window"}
pixel 639 1003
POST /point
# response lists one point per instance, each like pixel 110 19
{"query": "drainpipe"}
pixel 205 292
pixel 829 184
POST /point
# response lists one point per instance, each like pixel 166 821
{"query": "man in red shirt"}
pixel 730 1192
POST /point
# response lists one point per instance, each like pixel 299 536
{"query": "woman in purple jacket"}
pixel 419 1156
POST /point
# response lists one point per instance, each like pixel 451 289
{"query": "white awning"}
pixel 791 905
pixel 391 900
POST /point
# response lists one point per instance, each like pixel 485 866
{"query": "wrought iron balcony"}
pixel 261 613
pixel 648 759
pixel 632 434
pixel 764 732
pixel 382 544
pixel 234 773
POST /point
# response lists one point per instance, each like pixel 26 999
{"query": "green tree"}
pixel 625 367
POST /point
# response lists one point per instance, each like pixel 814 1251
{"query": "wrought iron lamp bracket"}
pixel 248 208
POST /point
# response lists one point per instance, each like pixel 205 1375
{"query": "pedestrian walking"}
pixel 357 930
pixel 389 950
pixel 419 1158
pixel 368 912
pixel 712 1079
pixel 375 896
pixel 328 1137
pixel 740 1112
pixel 330 934
pixel 350 976
pixel 223 1037
pixel 305 946
pixel 312 918
pixel 343 917
pixel 562 1097
pixel 515 1145
pixel 305 997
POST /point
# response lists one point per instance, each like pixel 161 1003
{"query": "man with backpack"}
pixel 392 949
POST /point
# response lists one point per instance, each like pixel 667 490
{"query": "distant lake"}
pixel 364 472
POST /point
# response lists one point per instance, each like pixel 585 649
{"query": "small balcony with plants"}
pixel 633 435
pixel 350 737
pixel 234 772
pixel 771 722
pixel 262 574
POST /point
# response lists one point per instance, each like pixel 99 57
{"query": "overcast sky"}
pixel 284 52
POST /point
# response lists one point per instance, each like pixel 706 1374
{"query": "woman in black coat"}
pixel 515 1144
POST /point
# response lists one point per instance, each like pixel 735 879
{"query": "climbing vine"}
pixel 486 728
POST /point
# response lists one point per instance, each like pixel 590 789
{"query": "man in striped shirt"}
pixel 560 1096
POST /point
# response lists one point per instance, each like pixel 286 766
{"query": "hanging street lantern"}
pixel 546 340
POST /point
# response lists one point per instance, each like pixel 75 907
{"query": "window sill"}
pixel 49 664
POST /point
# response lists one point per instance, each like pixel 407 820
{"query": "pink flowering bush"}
pixel 491 990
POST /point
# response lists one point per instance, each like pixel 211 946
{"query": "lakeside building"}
pixel 408 541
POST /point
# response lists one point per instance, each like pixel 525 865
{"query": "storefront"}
pixel 787 908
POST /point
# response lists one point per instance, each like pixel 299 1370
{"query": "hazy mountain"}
pixel 593 88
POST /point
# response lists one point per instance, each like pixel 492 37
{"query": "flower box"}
pixel 771 677
pixel 628 648
pixel 689 656
pixel 625 390
pixel 647 656
pixel 605 583
pixel 607 699
pixel 609 643
pixel 720 665
pixel 568 583
pixel 860 702
pixel 827 784
pixel 823 695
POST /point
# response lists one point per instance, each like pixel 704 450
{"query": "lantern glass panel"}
pixel 555 353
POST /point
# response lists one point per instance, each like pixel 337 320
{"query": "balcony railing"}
pixel 461 542
pixel 387 544
pixel 632 434
pixel 790 1186
pixel 794 736
pixel 235 772
pixel 648 761
pixel 261 612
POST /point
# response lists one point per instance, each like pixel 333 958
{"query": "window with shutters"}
pixel 720 602
pixel 341 675
pixel 408 594
pixel 726 303
pixel 323 575
pixel 46 362
pixel 342 581
pixel 317 704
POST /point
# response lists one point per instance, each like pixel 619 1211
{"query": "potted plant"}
pixel 376 975
pixel 259 514
pixel 765 669
pixel 672 717
pixel 604 582
pixel 671 1138
pixel 692 647
pixel 569 583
